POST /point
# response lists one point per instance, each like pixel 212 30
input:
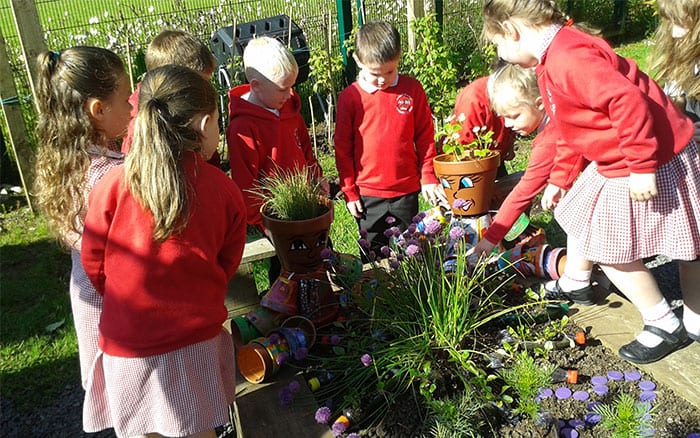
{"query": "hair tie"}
pixel 53 57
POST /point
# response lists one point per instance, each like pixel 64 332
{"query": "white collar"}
pixel 371 89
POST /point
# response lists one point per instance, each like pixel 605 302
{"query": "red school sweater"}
pixel 473 102
pixel 384 143
pixel 260 142
pixel 610 112
pixel 159 297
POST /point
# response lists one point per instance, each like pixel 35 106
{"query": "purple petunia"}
pixel 456 233
pixel 323 415
pixel 390 220
pixel 412 250
pixel 366 359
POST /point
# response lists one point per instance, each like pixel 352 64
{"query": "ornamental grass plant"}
pixel 291 194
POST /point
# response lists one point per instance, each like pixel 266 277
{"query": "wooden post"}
pixel 18 140
pixel 414 9
pixel 31 36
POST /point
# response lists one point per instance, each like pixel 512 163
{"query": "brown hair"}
pixel 170 98
pixel 65 82
pixel 377 42
pixel 676 59
pixel 180 48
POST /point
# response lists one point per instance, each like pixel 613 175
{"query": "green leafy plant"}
pixel 449 137
pixel 526 377
pixel 626 417
pixel 291 195
pixel 456 417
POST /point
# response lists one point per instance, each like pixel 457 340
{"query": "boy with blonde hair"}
pixel 266 131
pixel 172 46
pixel 384 138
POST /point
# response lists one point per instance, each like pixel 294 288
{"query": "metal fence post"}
pixel 345 23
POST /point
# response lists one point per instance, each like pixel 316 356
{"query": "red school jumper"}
pixel 160 297
pixel 643 130
pixel 384 145
pixel 473 102
pixel 260 142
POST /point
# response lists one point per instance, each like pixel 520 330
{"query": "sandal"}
pixel 583 296
pixel 635 352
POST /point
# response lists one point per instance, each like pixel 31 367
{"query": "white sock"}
pixel 574 280
pixel 691 321
pixel 660 316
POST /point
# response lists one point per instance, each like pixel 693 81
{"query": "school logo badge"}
pixel 404 103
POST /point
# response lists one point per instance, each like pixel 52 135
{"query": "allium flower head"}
pixel 394 264
pixel 390 220
pixel 338 428
pixel 432 227
pixel 388 232
pixel 366 359
pixel 386 251
pixel 364 243
pixel 363 234
pixel 456 233
pixel 323 415
pixel 412 250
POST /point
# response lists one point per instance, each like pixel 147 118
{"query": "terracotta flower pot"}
pixel 472 181
pixel 298 244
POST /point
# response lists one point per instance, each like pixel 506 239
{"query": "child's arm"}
pixel 344 150
pixel 234 242
pixel 101 205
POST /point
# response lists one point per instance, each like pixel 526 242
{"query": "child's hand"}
pixel 325 186
pixel 482 247
pixel 355 208
pixel 433 193
pixel 551 196
pixel 642 186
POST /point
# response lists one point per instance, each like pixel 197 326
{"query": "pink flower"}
pixel 390 220
pixel 456 233
pixel 338 428
pixel 412 250
pixel 323 415
pixel 366 359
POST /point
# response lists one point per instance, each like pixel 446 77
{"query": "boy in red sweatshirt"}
pixel 384 141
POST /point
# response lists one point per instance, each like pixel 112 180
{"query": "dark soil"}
pixel 673 418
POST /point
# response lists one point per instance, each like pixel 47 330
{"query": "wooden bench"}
pixel 242 295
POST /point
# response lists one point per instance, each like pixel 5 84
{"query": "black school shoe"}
pixel 583 296
pixel 635 352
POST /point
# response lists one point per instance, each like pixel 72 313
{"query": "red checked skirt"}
pixel 179 393
pixel 613 229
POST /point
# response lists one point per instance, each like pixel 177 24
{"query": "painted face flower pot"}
pixel 469 183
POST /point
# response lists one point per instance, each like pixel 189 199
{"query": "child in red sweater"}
pixel 384 143
pixel 81 90
pixel 179 48
pixel 473 105
pixel 164 234
pixel 640 196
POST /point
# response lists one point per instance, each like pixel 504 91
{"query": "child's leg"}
pixel 663 331
pixel 575 282
pixel 690 286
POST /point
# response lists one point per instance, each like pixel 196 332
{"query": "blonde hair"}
pixel 377 42
pixel 65 82
pixel 676 59
pixel 267 58
pixel 180 48
pixel 523 83
pixel 170 98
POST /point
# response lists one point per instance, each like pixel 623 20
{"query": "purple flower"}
pixel 386 251
pixel 294 386
pixel 394 264
pixel 411 229
pixel 459 204
pixel 390 220
pixel 372 255
pixel 326 253
pixel 364 243
pixel 456 233
pixel 412 250
pixel 389 232
pixel 335 340
pixel 323 415
pixel 432 227
pixel 397 231
pixel 338 428
pixel 282 358
pixel 285 396
pixel 301 353
pixel 363 234
pixel 417 218
pixel 353 435
pixel 366 359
